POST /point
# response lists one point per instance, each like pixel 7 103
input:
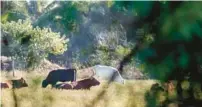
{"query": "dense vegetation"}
pixel 175 52
pixel 162 39
pixel 95 35
pixel 30 44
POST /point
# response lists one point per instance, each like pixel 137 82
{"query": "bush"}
pixel 32 44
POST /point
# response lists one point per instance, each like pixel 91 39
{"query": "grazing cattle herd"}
pixel 69 75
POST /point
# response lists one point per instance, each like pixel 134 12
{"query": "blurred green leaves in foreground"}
pixel 177 40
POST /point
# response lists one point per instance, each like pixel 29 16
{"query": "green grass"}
pixel 130 94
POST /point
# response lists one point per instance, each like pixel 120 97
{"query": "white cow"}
pixel 106 73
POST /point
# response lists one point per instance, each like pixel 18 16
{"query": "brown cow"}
pixel 4 85
pixel 83 84
pixel 86 83
pixel 18 83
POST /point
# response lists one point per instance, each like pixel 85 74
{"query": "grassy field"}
pixel 130 94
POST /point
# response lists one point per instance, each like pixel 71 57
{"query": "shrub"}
pixel 32 44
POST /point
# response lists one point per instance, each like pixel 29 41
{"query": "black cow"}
pixel 61 75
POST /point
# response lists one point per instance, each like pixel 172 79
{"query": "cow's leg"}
pixel 53 84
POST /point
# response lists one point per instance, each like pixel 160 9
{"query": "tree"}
pixel 31 44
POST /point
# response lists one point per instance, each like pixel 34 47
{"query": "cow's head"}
pixel 117 78
pixel 44 83
pixel 19 83
pixel 94 82
pixel 24 83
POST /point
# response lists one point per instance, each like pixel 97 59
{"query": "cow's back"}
pixel 86 83
pixel 107 72
pixel 62 75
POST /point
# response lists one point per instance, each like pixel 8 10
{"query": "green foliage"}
pixel 109 3
pixel 106 56
pixel 148 38
pixel 173 45
pixel 185 21
pixel 41 5
pixel 12 11
pixel 12 16
pixel 141 9
pixel 121 51
pixel 158 95
pixel 64 15
pixel 82 6
pixel 33 44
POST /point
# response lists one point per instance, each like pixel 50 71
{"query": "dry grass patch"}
pixel 130 94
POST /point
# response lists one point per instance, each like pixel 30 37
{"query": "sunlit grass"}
pixel 130 94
